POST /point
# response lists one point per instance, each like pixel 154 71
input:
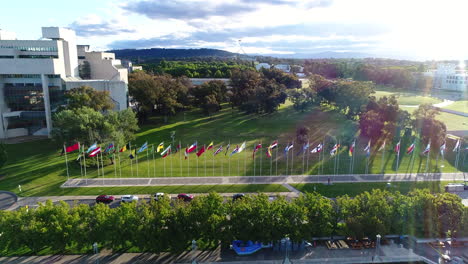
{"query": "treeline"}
pixel 161 226
pixel 198 69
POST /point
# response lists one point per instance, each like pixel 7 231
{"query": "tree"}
pixel 302 98
pixel 209 96
pixel 3 154
pixel 381 118
pixel 350 97
pixel 430 129
pixel 86 96
pixel 302 135
pixel 290 81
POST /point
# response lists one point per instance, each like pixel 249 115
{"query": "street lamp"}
pixel 96 251
pixel 377 246
pixel 286 257
pixel 194 247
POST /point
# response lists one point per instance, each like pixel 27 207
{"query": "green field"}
pixel 452 121
pixel 461 106
pixel 408 98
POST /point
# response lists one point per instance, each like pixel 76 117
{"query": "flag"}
pixel 93 146
pixel 218 150
pixel 227 149
pixel 201 151
pixel 242 147
pixel 210 146
pixel 351 148
pixel 109 148
pixel 123 149
pixel 132 154
pixel 442 149
pixel 79 156
pixel 367 149
pixel 191 148
pixel 317 149
pixel 304 148
pixel 382 147
pixel 272 146
pixel 427 149
pixel 160 147
pixel 259 146
pixel 410 149
pixel 95 152
pixel 177 148
pixel 334 149
pixel 397 147
pixel 268 152
pixel 455 149
pixel 166 152
pixel 236 150
pixel 72 147
pixel 143 147
pixel 287 148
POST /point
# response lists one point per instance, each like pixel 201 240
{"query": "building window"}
pixel 6 57
pixel 38 56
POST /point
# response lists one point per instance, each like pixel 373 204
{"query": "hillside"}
pixel 146 55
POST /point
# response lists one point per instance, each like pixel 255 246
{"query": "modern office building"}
pixel 34 74
pixel 448 77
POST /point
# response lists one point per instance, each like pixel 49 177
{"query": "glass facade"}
pixel 29 48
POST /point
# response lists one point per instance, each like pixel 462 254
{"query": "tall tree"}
pixel 86 96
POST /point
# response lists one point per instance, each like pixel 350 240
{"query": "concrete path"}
pixel 167 181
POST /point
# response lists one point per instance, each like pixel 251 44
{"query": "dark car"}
pixel 238 196
pixel 105 199
pixel 185 197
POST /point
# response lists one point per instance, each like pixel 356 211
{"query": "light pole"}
pixel 377 247
pixel 96 252
pixel 194 247
pixel 286 257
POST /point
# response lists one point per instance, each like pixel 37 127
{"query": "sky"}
pixel 410 29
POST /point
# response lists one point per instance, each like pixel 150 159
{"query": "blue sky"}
pixel 418 29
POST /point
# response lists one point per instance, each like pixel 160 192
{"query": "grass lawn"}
pixel 408 98
pixel 461 106
pixel 452 121
pixel 353 189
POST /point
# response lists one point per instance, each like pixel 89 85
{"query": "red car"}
pixel 185 197
pixel 105 199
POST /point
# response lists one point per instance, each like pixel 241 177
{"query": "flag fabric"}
pixel 257 147
pixel 351 149
pixel 79 156
pixel 177 148
pixel 201 151
pixel 160 147
pixel 272 146
pixel 236 150
pixel 397 147
pixel 143 147
pixel 191 148
pixel 382 147
pixel 317 149
pixel 132 154
pixel 186 153
pixel 93 146
pixel 367 149
pixel 287 148
pixel 210 146
pixel 268 152
pixel 242 147
pixel 334 149
pixel 455 149
pixel 166 152
pixel 427 149
pixel 304 148
pixel 410 149
pixel 73 147
pixel 95 152
pixel 109 148
pixel 123 149
pixel 442 149
pixel 227 149
pixel 218 150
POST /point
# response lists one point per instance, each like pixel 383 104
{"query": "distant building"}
pixel 262 65
pixel 284 67
pixel 447 77
pixel 34 74
pixel 130 67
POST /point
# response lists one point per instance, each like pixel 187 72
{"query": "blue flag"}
pixel 142 148
pixel 93 146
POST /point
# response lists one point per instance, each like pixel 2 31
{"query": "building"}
pixel 130 67
pixel 448 77
pixel 262 65
pixel 34 74
pixel 284 67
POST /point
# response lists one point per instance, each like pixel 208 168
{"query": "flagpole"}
pixel 271 163
pixel 81 167
pixel 131 160
pixel 398 156
pixel 170 152
pixel 84 163
pixel 188 162
pixel 136 161
pixel 427 161
pixel 66 161
pixel 115 165
pixel 412 159
pixel 120 168
pixel 307 160
pixel 276 159
pixel 260 160
pixel 102 168
pixel 245 161
pixel 154 161
pixel 180 157
pixel 164 162
pixel 303 163
pixel 253 155
pixel 204 147
pixel 292 160
pixel 383 160
pixel 287 159
pixel 229 159
pixel 212 160
pixel 238 165
pixel 351 160
pixel 197 159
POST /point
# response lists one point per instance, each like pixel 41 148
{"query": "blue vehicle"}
pixel 246 248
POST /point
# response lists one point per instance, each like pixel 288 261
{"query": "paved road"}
pixel 165 181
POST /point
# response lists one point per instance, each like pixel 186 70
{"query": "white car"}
pixel 158 196
pixel 129 198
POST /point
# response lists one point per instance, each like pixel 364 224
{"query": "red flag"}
pixel 397 147
pixel 73 147
pixel 259 146
pixel 201 151
pixel 95 152
pixel 191 148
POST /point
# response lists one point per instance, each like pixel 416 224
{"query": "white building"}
pixel 284 67
pixel 34 74
pixel 447 77
pixel 262 65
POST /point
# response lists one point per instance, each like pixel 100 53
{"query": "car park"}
pixel 105 198
pixel 129 198
pixel 185 197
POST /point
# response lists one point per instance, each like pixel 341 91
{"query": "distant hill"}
pixel 326 55
pixel 145 55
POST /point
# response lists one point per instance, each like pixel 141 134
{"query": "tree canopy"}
pixel 86 96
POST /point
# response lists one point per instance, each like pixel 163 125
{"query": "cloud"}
pixel 197 9
pixel 92 25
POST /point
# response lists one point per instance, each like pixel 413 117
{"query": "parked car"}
pixel 158 196
pixel 185 197
pixel 129 198
pixel 238 196
pixel 105 199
